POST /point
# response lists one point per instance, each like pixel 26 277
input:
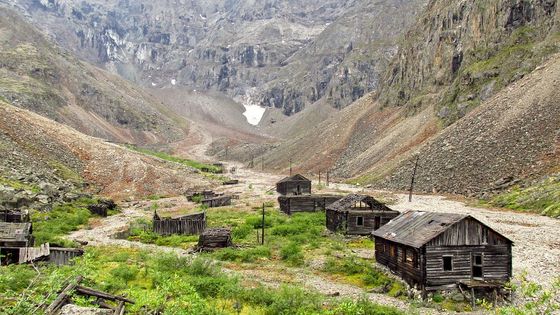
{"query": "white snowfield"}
pixel 253 113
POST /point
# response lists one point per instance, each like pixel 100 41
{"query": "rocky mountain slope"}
pixel 335 49
pixel 511 134
pixel 44 161
pixel 38 76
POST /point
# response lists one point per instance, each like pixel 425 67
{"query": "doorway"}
pixel 377 223
pixel 477 265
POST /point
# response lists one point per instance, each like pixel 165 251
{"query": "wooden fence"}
pixel 63 256
pixel 187 225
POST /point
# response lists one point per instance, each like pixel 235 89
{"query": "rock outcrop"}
pixel 333 49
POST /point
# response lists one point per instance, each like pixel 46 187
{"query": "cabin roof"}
pixel 347 202
pixel 15 232
pixel 416 228
pixel 295 178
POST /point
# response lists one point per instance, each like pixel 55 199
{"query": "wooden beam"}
pixel 57 304
pixel 89 291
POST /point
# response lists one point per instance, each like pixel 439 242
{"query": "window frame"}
pixel 358 221
pixel 443 258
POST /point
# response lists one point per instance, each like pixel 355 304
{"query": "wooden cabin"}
pixel 191 224
pixel 294 185
pixel 436 251
pixel 215 202
pixel 215 238
pixel 305 203
pixel 358 215
pixel 13 237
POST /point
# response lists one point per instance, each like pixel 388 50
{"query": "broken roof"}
pixel 347 202
pixel 416 228
pixel 15 232
pixel 295 178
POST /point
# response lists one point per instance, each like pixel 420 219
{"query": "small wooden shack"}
pixel 102 207
pixel 436 251
pixel 215 238
pixel 14 216
pixel 294 185
pixel 13 237
pixel 191 224
pixel 305 203
pixel 358 215
pixel 219 201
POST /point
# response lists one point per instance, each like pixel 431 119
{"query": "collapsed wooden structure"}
pixel 65 297
pixel 438 251
pixel 197 196
pixel 14 216
pixel 231 182
pixel 219 201
pixel 215 238
pixel 102 207
pixel 294 185
pixel 305 203
pixel 358 215
pixel 190 224
pixel 16 246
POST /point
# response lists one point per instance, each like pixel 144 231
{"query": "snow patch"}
pixel 253 112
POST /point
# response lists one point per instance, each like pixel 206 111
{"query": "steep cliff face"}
pixel 37 76
pixel 460 53
pixel 471 92
pixel 344 62
pixel 334 49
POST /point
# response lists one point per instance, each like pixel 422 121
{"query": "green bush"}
pixel 292 254
pixel 52 225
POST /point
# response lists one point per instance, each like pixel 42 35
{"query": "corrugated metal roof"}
pixel 347 202
pixel 416 228
pixel 297 177
pixel 18 232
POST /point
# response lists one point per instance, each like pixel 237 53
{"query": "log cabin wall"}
pixel 336 221
pixel 496 264
pixel 405 261
pixel 290 188
pixel 308 203
pixel 368 221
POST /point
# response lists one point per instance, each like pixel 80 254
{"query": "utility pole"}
pixel 319 178
pixel 227 147
pixel 262 163
pixel 327 178
pixel 413 179
pixel 262 236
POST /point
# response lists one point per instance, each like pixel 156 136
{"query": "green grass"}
pixel 18 185
pixel 166 284
pixel 543 198
pixel 62 219
pixel 175 159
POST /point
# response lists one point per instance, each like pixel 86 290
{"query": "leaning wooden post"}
pixel 227 146
pixel 262 236
pixel 319 178
pixel 413 179
pixel 327 178
pixel 262 163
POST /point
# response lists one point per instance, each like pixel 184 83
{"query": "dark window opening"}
pixel 377 223
pixel 360 221
pixel 477 266
pixel 447 263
